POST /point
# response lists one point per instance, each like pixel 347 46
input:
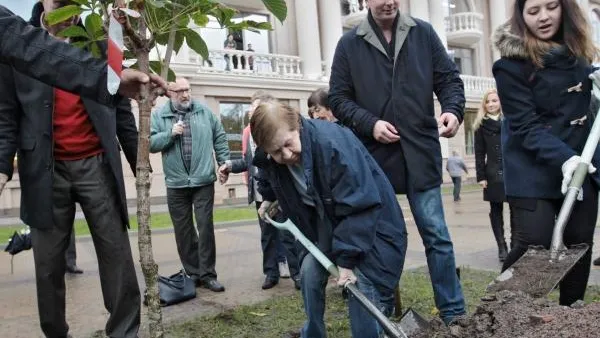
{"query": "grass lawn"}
pixel 274 318
pixel 159 220
pixel 162 220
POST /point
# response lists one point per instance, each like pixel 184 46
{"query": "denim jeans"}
pixel 428 212
pixel 313 279
pixel 456 181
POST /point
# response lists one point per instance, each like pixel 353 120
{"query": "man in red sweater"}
pixel 68 150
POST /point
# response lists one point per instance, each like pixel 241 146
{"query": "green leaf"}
pixel 162 39
pixel 93 24
pixel 72 32
pixel 83 3
pixel 156 67
pixel 80 44
pixel 156 3
pixel 278 8
pixel 196 43
pixel 200 19
pixel 223 15
pixel 95 49
pixel 183 21
pixel 179 37
pixel 62 14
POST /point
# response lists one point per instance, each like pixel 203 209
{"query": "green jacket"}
pixel 208 135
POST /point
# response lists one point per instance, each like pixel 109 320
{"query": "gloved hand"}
pixel 263 209
pixel 568 168
pixel 3 180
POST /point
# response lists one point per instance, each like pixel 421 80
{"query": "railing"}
pixel 477 85
pixel 249 63
pixel 464 22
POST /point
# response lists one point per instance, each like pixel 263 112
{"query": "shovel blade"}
pixel 412 322
pixel 535 274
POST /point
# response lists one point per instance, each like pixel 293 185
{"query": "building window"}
pixel 234 116
pixel 463 58
pixel 469 133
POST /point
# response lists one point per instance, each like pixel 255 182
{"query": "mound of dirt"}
pixel 515 314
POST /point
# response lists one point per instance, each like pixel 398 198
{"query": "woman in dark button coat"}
pixel 488 164
pixel 543 80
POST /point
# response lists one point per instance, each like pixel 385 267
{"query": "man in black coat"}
pixel 383 77
pixel 68 151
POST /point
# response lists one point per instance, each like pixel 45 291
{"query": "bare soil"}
pixel 510 314
pixel 535 274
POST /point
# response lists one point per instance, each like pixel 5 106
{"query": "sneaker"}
pixel 284 270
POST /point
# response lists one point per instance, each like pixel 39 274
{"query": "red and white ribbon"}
pixel 115 54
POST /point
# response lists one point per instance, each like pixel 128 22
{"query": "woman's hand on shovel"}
pixel 346 276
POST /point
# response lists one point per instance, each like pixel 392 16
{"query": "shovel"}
pixel 391 329
pixel 539 270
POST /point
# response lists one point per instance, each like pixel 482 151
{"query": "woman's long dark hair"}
pixel 574 32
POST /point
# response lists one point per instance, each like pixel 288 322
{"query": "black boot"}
pixel 497 221
pixel 502 251
pixel 597 261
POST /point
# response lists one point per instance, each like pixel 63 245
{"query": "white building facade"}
pixel 295 57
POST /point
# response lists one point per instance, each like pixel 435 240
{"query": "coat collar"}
pixel 307 159
pixel 167 109
pixel 405 22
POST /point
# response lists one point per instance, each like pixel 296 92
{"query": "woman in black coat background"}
pixel 488 164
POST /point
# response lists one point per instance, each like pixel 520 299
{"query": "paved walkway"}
pixel 238 266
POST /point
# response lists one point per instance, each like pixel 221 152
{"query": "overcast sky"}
pixel 19 7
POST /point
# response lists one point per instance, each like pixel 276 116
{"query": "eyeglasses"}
pixel 181 91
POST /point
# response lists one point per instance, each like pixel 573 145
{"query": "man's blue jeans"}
pixel 314 281
pixel 428 212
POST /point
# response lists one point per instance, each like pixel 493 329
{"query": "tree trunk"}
pixel 142 182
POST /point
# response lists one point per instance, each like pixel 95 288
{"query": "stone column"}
pixel 309 45
pixel 498 16
pixel 420 9
pixel 437 20
pixel 330 21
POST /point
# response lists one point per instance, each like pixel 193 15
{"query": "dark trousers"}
pixel 535 220
pixel 456 191
pixel 497 222
pixel 197 251
pixel 90 183
pixel 71 253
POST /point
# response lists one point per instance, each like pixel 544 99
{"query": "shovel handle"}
pixel 289 226
pixel 575 185
pixel 394 331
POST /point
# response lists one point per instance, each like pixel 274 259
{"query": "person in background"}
pixel 329 185
pixel 543 80
pixel 276 260
pixel 68 150
pixel 251 57
pixel 318 106
pixel 488 165
pixel 455 167
pixel 386 97
pixel 189 137
pixel 230 44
